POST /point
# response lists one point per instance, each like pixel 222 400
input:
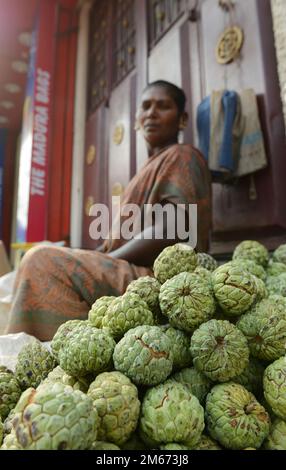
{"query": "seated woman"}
pixel 55 284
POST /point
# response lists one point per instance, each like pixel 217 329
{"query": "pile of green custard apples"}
pixel 192 358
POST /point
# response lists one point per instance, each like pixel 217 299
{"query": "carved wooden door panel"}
pixel 110 160
pixel 96 151
pixel 122 98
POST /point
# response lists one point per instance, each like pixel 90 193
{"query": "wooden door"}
pixel 110 142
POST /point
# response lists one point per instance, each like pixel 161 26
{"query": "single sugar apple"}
pixel 55 417
pixel 174 260
pixel 10 392
pixel 274 385
pixel 276 439
pixel 87 350
pixel 276 285
pixel 170 413
pixel 115 399
pixel 77 383
pixel 251 267
pixel 219 350
pixel 196 382
pixel 34 362
pixel 148 289
pixel 252 250
pixel 144 354
pixel 265 331
pixel 98 310
pixel 234 289
pixel 206 261
pixel 274 268
pixel 62 333
pixel 235 418
pixel 126 312
pixel 251 377
pixel 187 301
pixel 279 254
pixel 102 445
pixel 180 344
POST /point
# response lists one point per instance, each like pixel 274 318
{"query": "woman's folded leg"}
pixel 56 284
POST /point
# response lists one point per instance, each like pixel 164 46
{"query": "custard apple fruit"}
pixel 115 399
pixel 195 381
pixel 206 261
pixel 55 417
pixel 251 267
pixel 77 383
pixel 234 288
pixel 274 385
pixel 173 260
pixel 252 250
pixel 10 392
pixel 276 285
pixel 62 333
pixel 148 289
pixel 265 332
pixel 145 355
pixel 279 254
pixel 187 301
pixel 274 268
pixel 235 418
pixel 276 439
pixel 170 413
pixel 98 310
pixel 219 350
pixel 86 350
pixel 126 312
pixel 34 362
pixel 180 344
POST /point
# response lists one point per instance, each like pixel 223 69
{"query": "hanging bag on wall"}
pixel 252 155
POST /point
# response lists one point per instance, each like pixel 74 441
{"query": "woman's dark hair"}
pixel 175 92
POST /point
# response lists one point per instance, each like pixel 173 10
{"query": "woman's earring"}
pixel 182 125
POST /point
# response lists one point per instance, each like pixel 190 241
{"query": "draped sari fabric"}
pixel 56 284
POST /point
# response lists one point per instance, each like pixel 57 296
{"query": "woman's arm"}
pixel 141 251
pixel 145 247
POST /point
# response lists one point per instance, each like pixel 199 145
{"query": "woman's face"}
pixel 158 117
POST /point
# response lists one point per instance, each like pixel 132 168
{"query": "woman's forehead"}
pixel 156 93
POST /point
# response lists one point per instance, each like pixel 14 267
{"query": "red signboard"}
pixel 41 137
